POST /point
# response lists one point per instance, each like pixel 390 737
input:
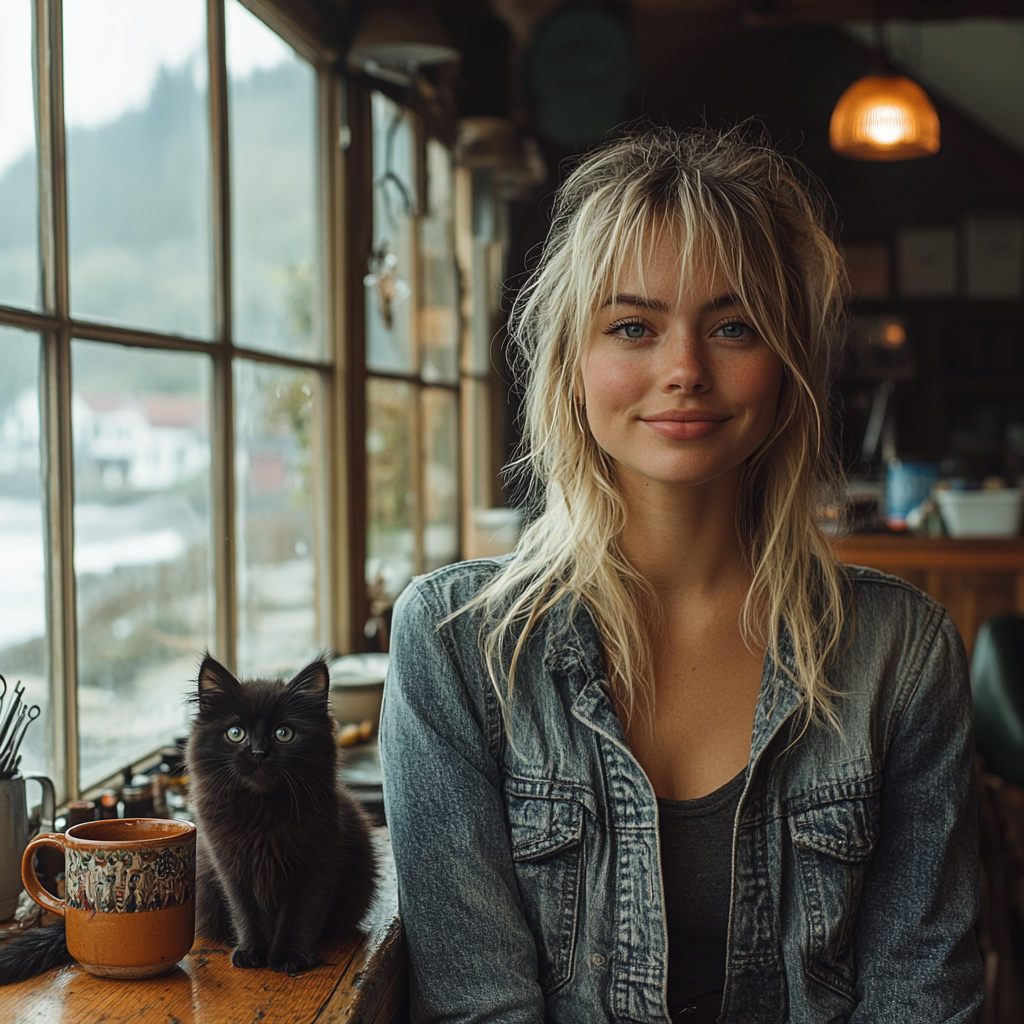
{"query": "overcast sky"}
pixel 113 50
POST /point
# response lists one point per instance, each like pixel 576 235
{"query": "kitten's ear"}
pixel 314 680
pixel 215 679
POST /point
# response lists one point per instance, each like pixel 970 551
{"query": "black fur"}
pixel 32 953
pixel 285 858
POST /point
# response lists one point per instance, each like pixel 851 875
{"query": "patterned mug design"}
pixel 128 881
pixel 129 910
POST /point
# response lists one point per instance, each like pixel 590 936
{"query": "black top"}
pixel 696 868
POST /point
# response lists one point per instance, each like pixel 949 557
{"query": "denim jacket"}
pixel 529 872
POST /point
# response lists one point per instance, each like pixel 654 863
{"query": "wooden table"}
pixel 974 579
pixel 360 981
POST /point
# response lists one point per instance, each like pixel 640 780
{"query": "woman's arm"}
pixel 471 955
pixel 916 951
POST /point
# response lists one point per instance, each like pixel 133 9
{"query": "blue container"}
pixel 907 484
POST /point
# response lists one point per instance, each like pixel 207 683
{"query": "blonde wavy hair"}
pixel 759 220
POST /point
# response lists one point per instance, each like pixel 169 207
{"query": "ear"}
pixel 314 680
pixel 215 679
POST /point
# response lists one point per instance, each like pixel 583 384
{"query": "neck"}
pixel 682 538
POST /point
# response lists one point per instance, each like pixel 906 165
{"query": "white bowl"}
pixel 357 687
pixel 981 513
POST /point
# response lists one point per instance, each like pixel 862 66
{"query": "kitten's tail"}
pixel 33 953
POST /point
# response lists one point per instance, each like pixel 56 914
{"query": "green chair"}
pixel 997 682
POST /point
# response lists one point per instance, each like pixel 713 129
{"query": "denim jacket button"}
pixel 597 960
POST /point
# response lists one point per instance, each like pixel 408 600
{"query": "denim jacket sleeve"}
pixel 470 952
pixel 915 946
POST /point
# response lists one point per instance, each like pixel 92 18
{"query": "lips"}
pixel 685 424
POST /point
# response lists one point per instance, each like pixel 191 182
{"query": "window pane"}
pixel 439 324
pixel 391 503
pixel 389 283
pixel 488 530
pixel 19 187
pixel 274 212
pixel 279 535
pixel 22 575
pixel 142 546
pixel 138 163
pixel 488 271
pixel 441 478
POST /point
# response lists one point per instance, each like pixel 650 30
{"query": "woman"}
pixel 670 760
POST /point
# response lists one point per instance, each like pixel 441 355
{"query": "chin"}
pixel 260 782
pixel 685 476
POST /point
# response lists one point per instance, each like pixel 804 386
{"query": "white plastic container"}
pixel 981 513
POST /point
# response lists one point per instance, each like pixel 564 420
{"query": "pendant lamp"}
pixel 884 117
pixel 397 37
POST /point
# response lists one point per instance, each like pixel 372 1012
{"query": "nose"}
pixel 258 754
pixel 686 371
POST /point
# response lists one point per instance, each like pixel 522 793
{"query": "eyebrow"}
pixel 639 301
pixel 658 306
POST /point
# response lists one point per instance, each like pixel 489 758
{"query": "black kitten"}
pixel 284 856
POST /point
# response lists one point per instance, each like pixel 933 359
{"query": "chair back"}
pixel 997 682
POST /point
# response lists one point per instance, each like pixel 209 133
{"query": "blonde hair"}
pixel 756 217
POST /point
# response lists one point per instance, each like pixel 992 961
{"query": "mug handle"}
pixel 48 806
pixel 29 877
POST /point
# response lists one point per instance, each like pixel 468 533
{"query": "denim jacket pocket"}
pixel 547 848
pixel 833 830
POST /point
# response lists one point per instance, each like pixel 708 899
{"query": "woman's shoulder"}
pixel 894 622
pixel 444 591
pixel 871 588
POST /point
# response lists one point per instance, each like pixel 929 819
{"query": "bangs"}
pixel 707 240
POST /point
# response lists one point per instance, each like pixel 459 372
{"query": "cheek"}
pixel 757 385
pixel 610 381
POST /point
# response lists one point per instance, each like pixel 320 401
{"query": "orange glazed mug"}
pixel 130 893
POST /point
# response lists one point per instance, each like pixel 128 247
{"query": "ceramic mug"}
pixel 14 834
pixel 129 905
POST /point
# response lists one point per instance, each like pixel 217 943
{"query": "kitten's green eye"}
pixel 284 734
pixel 236 734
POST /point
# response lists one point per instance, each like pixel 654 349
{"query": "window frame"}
pixel 415 378
pixel 478 453
pixel 55 328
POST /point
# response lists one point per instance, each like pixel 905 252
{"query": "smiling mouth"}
pixel 685 425
pixel 686 416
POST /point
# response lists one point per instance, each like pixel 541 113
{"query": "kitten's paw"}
pixel 244 957
pixel 289 961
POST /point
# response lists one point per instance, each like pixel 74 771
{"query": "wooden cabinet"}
pixel 974 579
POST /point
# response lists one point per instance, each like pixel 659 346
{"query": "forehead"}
pixel 664 271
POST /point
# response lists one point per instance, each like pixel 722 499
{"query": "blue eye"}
pixel 734 330
pixel 633 331
pixel 236 734
pixel 284 734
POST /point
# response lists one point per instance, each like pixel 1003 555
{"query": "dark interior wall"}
pixel 694 71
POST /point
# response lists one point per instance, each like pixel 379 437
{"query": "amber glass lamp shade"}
pixel 884 117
